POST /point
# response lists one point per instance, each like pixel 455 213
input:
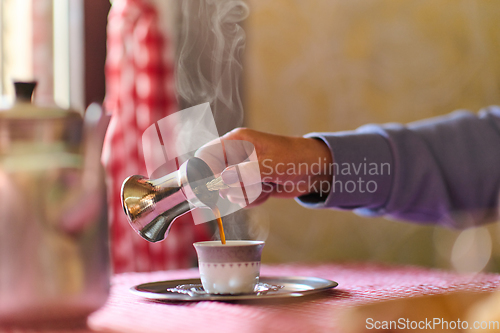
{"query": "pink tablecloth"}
pixel 358 284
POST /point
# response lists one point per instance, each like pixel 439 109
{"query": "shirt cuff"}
pixel 362 171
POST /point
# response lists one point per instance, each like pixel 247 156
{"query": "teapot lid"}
pixel 24 109
pixel 24 90
pixel 28 129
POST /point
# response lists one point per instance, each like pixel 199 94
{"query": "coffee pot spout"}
pixel 157 230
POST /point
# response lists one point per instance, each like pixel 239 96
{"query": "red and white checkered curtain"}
pixel 140 91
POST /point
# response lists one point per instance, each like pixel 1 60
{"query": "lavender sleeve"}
pixel 444 170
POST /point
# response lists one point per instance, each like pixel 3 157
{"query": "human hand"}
pixel 268 164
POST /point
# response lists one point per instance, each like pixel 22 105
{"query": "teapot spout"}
pixel 95 125
pixel 84 205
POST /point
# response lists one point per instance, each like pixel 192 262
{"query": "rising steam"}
pixel 209 65
pixel 210 42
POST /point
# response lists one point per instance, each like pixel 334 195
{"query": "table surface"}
pixel 358 284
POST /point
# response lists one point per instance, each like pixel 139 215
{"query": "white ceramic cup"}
pixel 231 268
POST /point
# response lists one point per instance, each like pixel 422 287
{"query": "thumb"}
pixel 247 173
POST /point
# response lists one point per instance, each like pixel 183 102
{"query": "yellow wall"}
pixel 330 65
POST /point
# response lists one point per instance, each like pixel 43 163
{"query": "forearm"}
pixel 444 170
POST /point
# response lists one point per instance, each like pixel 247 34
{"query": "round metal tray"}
pixel 290 286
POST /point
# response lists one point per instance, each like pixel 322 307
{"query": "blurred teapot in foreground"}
pixel 54 258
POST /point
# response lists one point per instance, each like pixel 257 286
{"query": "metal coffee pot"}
pixel 152 205
pixel 54 258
